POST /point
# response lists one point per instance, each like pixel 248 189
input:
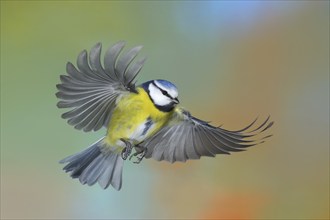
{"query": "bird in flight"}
pixel 146 118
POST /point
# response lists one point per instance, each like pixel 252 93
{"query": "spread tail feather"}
pixel 96 165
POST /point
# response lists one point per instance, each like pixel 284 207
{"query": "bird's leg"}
pixel 138 151
pixel 139 154
pixel 127 150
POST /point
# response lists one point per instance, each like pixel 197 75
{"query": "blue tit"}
pixel 144 118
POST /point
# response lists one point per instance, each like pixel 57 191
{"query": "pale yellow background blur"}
pixel 231 61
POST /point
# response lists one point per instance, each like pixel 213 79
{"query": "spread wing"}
pixel 91 90
pixel 186 137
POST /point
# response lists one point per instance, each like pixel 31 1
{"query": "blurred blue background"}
pixel 231 62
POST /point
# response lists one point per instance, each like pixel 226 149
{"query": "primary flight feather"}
pixel 145 117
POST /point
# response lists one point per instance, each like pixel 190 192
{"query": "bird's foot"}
pixel 139 155
pixel 127 150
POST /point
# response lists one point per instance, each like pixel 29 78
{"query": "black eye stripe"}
pixel 163 91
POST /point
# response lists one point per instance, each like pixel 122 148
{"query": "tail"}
pixel 96 165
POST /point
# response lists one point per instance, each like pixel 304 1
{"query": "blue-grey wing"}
pixel 186 137
pixel 91 90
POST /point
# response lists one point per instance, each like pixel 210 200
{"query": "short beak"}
pixel 176 101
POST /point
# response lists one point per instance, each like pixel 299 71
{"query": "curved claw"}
pixel 140 156
pixel 134 155
pixel 127 150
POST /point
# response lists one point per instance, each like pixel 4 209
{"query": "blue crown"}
pixel 166 84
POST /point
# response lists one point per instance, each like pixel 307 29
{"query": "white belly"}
pixel 140 133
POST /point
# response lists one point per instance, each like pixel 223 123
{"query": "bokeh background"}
pixel 232 61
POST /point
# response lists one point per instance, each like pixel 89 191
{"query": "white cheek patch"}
pixel 157 96
pixel 171 91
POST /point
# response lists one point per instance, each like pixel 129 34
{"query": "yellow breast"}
pixel 129 117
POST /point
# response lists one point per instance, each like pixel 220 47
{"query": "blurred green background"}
pixel 231 62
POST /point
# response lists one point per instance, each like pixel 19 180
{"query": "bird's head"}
pixel 162 93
